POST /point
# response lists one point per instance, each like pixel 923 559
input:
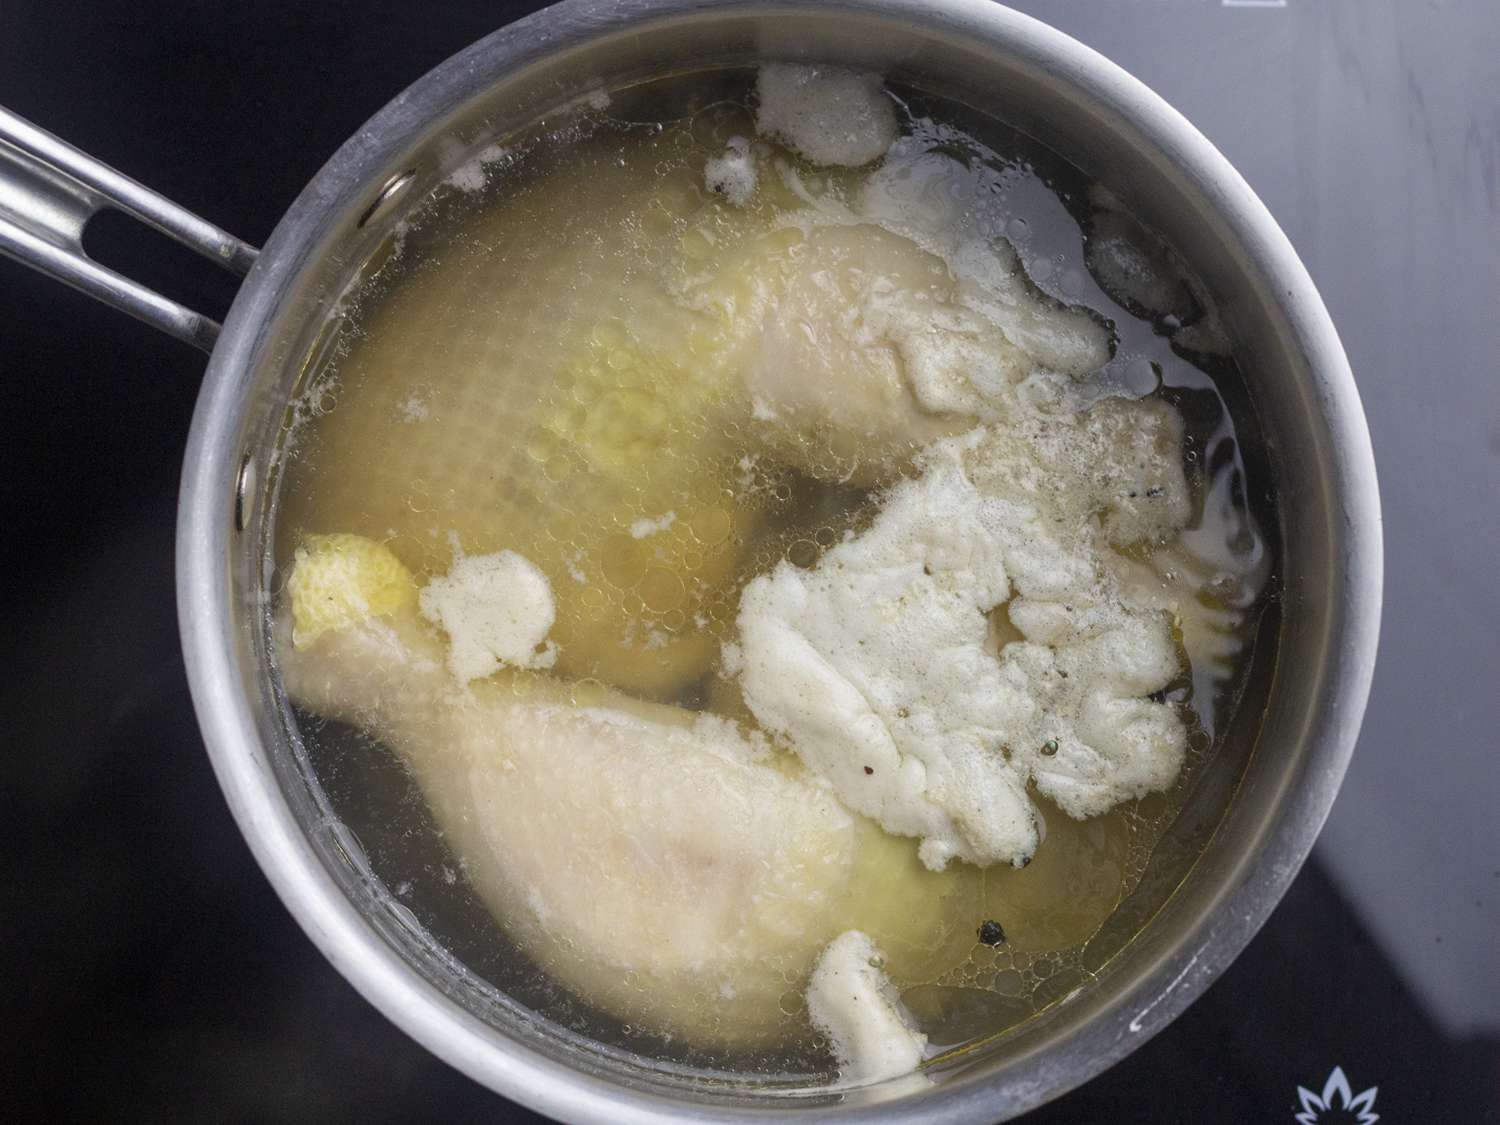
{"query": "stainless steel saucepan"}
pixel 1294 733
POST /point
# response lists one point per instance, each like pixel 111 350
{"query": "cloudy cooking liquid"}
pixel 518 377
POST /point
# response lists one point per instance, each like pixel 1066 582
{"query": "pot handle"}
pixel 49 190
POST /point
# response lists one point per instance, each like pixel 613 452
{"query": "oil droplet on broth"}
pixel 566 398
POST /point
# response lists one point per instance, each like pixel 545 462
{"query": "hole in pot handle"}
pixel 48 192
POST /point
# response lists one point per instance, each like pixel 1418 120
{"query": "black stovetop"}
pixel 149 971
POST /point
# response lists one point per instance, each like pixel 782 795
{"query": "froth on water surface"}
pixel 539 367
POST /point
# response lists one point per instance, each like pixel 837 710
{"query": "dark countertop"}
pixel 151 974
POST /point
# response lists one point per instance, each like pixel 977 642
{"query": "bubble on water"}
pixel 541 446
pixel 661 590
pixel 803 553
pixel 1008 983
